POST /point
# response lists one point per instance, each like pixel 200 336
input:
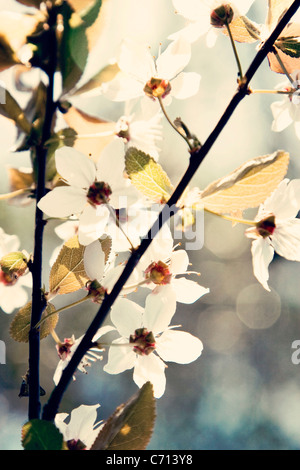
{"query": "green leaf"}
pixel 67 273
pixel 11 109
pixel 147 176
pixel 75 45
pixel 41 435
pixel 20 326
pixel 290 46
pixel 247 186
pixel 130 427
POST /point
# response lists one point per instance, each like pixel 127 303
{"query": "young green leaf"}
pixel 290 46
pixel 287 47
pixel 130 427
pixel 67 273
pixel 147 176
pixel 39 434
pixel 247 186
pixel 20 326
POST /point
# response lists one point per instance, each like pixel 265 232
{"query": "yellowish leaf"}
pixel 93 134
pixel 20 326
pixel 247 186
pixel 276 9
pixel 147 176
pixel 67 273
pixel 243 30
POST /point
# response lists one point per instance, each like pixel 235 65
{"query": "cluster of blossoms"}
pixel 98 198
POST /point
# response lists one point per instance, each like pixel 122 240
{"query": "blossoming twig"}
pixel 196 159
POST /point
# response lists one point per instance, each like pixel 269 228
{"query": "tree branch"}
pixel 38 301
pixel 196 159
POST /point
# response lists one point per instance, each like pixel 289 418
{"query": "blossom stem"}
pixel 232 219
pixel 238 62
pixel 59 310
pixel 283 66
pixel 172 124
pixel 13 194
pixel 38 299
pixel 275 92
pixel 196 159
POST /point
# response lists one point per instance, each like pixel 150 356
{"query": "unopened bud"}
pixel 96 291
pixel 221 16
pixel 15 262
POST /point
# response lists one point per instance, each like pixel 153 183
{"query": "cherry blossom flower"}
pixel 141 73
pixel 12 292
pixel 287 111
pixel 277 229
pixel 89 188
pixel 198 13
pixel 82 429
pixel 67 348
pixel 147 341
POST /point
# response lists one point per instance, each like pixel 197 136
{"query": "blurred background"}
pixel 244 391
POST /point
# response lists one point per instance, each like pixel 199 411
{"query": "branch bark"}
pixel 196 159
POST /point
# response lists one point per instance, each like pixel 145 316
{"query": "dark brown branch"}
pixel 196 159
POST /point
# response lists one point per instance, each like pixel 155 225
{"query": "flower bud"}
pixel 96 291
pixel 15 262
pixel 157 88
pixel 264 228
pixel 221 16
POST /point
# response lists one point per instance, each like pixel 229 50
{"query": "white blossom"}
pixel 277 229
pixel 146 341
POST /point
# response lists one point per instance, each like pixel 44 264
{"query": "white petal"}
pixel 136 60
pixel 123 88
pixel 179 262
pixel 174 59
pixel 120 358
pixel 185 85
pixel 12 297
pixel 190 9
pixel 282 117
pixel 126 315
pixel 63 201
pixel 94 260
pixel 102 331
pixel 159 309
pixel 190 33
pixel 286 239
pixel 8 243
pixel 82 422
pixel 262 255
pixel 178 346
pixel 186 291
pixel 284 202
pixel 75 167
pixel 92 223
pixel 150 368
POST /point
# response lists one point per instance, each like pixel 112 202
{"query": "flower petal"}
pixel 159 309
pixel 75 167
pixel 262 255
pixel 120 358
pixel 186 291
pixel 286 239
pixel 63 201
pixel 179 262
pixel 174 59
pixel 150 368
pixel 126 315
pixel 136 60
pixel 178 346
pixel 281 114
pixel 94 260
pixel 185 85
pixel 92 223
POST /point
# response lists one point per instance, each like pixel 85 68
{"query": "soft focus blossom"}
pixel 198 13
pixel 82 429
pixel 277 229
pixel 67 348
pixel 89 188
pixel 287 111
pixel 147 341
pixel 12 292
pixel 141 73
